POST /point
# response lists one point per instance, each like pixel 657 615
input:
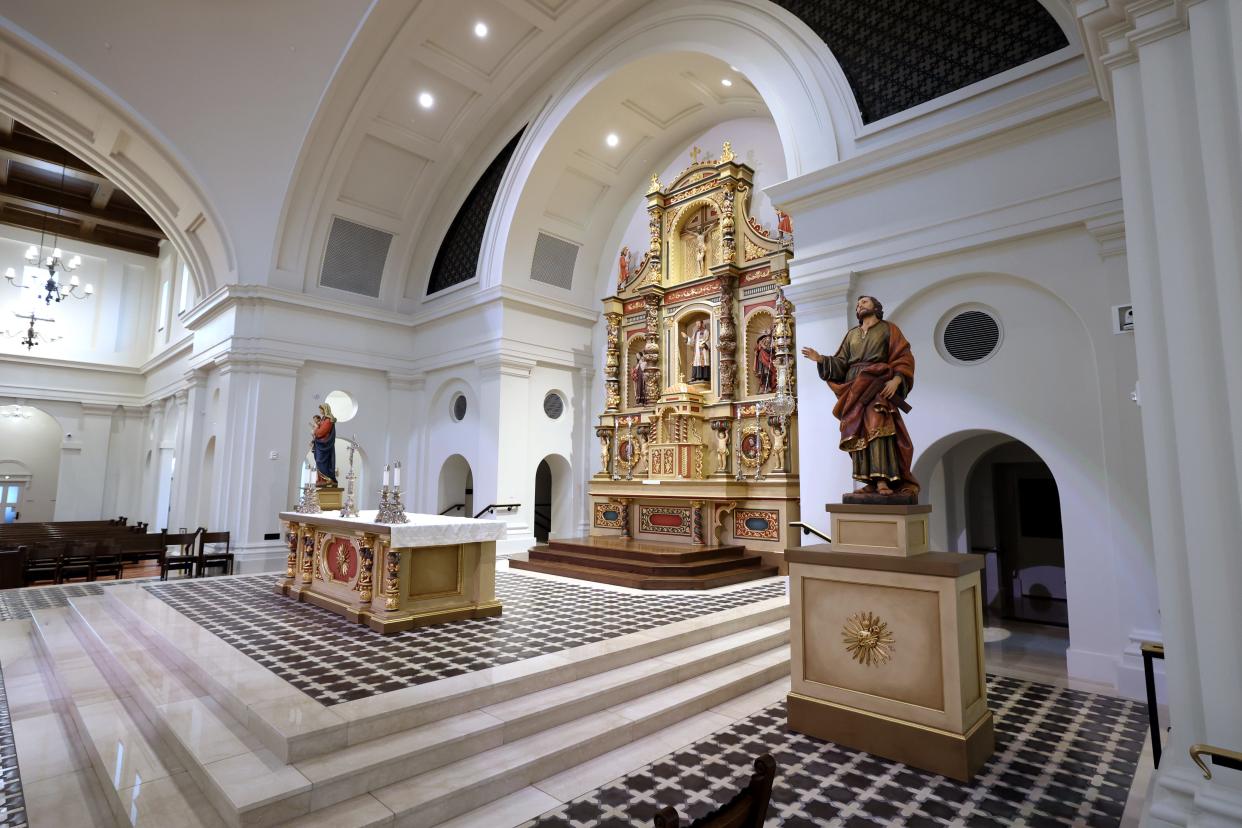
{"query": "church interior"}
pixel 575 413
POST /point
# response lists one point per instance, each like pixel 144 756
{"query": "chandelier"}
pixel 54 263
pixel 28 335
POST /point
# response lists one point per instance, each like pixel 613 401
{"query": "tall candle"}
pixel 386 473
pixel 396 474
pixel 305 473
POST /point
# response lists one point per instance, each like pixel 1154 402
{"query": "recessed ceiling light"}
pixel 734 68
pixel 480 29
pixel 613 139
pixel 425 100
pixel 726 82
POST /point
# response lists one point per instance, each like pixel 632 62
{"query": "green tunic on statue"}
pixel 874 452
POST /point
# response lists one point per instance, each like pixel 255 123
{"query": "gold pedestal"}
pixel 330 498
pixel 879 530
pixel 887 655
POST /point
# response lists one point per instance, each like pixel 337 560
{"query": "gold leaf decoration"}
pixel 867 639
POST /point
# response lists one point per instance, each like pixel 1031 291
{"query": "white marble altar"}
pixel 393 577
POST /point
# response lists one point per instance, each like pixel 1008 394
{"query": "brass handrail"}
pixel 810 530
pixel 1232 759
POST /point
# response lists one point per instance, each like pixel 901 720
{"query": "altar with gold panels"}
pixel 393 577
pixel 698 437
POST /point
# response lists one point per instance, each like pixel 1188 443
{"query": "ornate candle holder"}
pixel 349 504
pixel 309 504
pixel 391 509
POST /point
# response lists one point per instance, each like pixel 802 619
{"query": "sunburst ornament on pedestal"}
pixel 868 639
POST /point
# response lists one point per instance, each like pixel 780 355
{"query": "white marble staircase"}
pixel 182 729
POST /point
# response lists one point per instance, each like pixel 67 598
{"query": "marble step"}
pixel 460 787
pixel 296 728
pixel 143 781
pixel 601 560
pixel 250 786
pixel 385 761
pixel 736 575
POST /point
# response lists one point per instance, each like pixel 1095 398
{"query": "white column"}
pixel 1173 67
pixel 506 473
pixel 83 465
pixel 188 454
pixel 123 491
pixel 586 445
pixel 823 313
pixel 258 394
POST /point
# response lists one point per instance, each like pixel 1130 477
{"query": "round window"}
pixel 969 335
pixel 343 406
pixel 553 405
pixel 457 408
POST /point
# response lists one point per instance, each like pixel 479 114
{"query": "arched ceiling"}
pixel 377 158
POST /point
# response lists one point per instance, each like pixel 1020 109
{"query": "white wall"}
pixel 30 451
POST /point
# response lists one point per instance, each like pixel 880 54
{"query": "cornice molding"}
pixel 1109 232
pixel 257 362
pixel 507 365
pixel 1113 31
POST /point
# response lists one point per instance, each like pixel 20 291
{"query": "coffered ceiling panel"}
pixel 450 100
pixel 382 176
pixel 453 37
pixel 575 197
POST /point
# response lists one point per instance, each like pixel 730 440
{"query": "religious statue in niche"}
pixel 639 380
pixel 871 374
pixel 623 273
pixel 323 445
pixel 696 236
pixel 700 254
pixel 700 341
pixel 765 363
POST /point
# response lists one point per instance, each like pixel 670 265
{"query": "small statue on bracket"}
pixel 623 272
pixel 323 445
pixel 700 341
pixel 871 374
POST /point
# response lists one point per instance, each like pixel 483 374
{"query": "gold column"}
pixel 366 564
pixel 308 553
pixel 612 362
pixel 626 529
pixel 392 595
pixel 726 355
pixel 291 565
pixel 651 374
pixel 696 522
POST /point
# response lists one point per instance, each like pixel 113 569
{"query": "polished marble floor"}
pixel 1063 757
pixel 334 662
pixel 17 603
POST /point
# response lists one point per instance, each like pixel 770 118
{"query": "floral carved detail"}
pixel 366 555
pixel 392 598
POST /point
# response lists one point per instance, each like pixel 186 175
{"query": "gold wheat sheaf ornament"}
pixel 867 639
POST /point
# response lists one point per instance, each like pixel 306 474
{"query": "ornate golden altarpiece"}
pixel 701 462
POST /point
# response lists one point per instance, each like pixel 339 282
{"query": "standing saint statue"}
pixel 323 444
pixel 765 363
pixel 700 341
pixel 623 274
pixel 871 374
pixel 638 376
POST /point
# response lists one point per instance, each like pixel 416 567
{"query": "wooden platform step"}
pixel 604 576
pixel 664 553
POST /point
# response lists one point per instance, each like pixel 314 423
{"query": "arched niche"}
pixel 30 455
pixel 684 324
pixel 633 347
pixel 758 321
pixel 455 488
pixel 683 264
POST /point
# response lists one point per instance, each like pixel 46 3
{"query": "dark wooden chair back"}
pixel 216 557
pixel 746 810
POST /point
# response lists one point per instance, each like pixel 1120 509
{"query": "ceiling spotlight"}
pixel 734 68
pixel 480 29
pixel 425 100
pixel 726 82
pixel 612 140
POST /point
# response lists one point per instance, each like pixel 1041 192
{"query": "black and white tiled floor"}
pixel 12 803
pixel 335 662
pixel 1063 757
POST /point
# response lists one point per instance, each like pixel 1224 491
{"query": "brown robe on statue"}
pixel 872 430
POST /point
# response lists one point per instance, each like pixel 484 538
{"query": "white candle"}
pixel 396 474
pixel 386 472
pixel 305 473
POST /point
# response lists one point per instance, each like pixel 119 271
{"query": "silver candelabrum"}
pixel 391 509
pixel 309 504
pixel 349 505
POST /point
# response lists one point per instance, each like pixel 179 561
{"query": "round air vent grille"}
pixel 553 405
pixel 971 335
pixel 458 407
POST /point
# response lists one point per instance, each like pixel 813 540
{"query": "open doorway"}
pixel 1030 543
pixel 543 501
pixel 456 489
pixel 11 500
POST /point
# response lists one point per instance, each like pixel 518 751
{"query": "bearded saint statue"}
pixel 871 374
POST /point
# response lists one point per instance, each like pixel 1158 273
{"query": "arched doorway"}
pixel 456 489
pixel 996 496
pixel 553 506
pixel 543 501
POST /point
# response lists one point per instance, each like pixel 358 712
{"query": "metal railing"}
pixel 453 508
pixel 807 529
pixel 491 507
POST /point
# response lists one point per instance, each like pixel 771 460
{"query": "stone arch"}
pixel 45 91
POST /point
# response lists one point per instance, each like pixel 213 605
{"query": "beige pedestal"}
pixel 330 498
pixel 887 656
pixel 393 578
pixel 879 530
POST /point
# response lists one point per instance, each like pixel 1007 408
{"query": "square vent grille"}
pixel 554 261
pixel 354 260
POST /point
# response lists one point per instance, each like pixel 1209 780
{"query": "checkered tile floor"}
pixel 12 804
pixel 334 661
pixel 1063 757
pixel 17 603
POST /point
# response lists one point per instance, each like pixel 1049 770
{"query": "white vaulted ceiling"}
pixel 376 157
